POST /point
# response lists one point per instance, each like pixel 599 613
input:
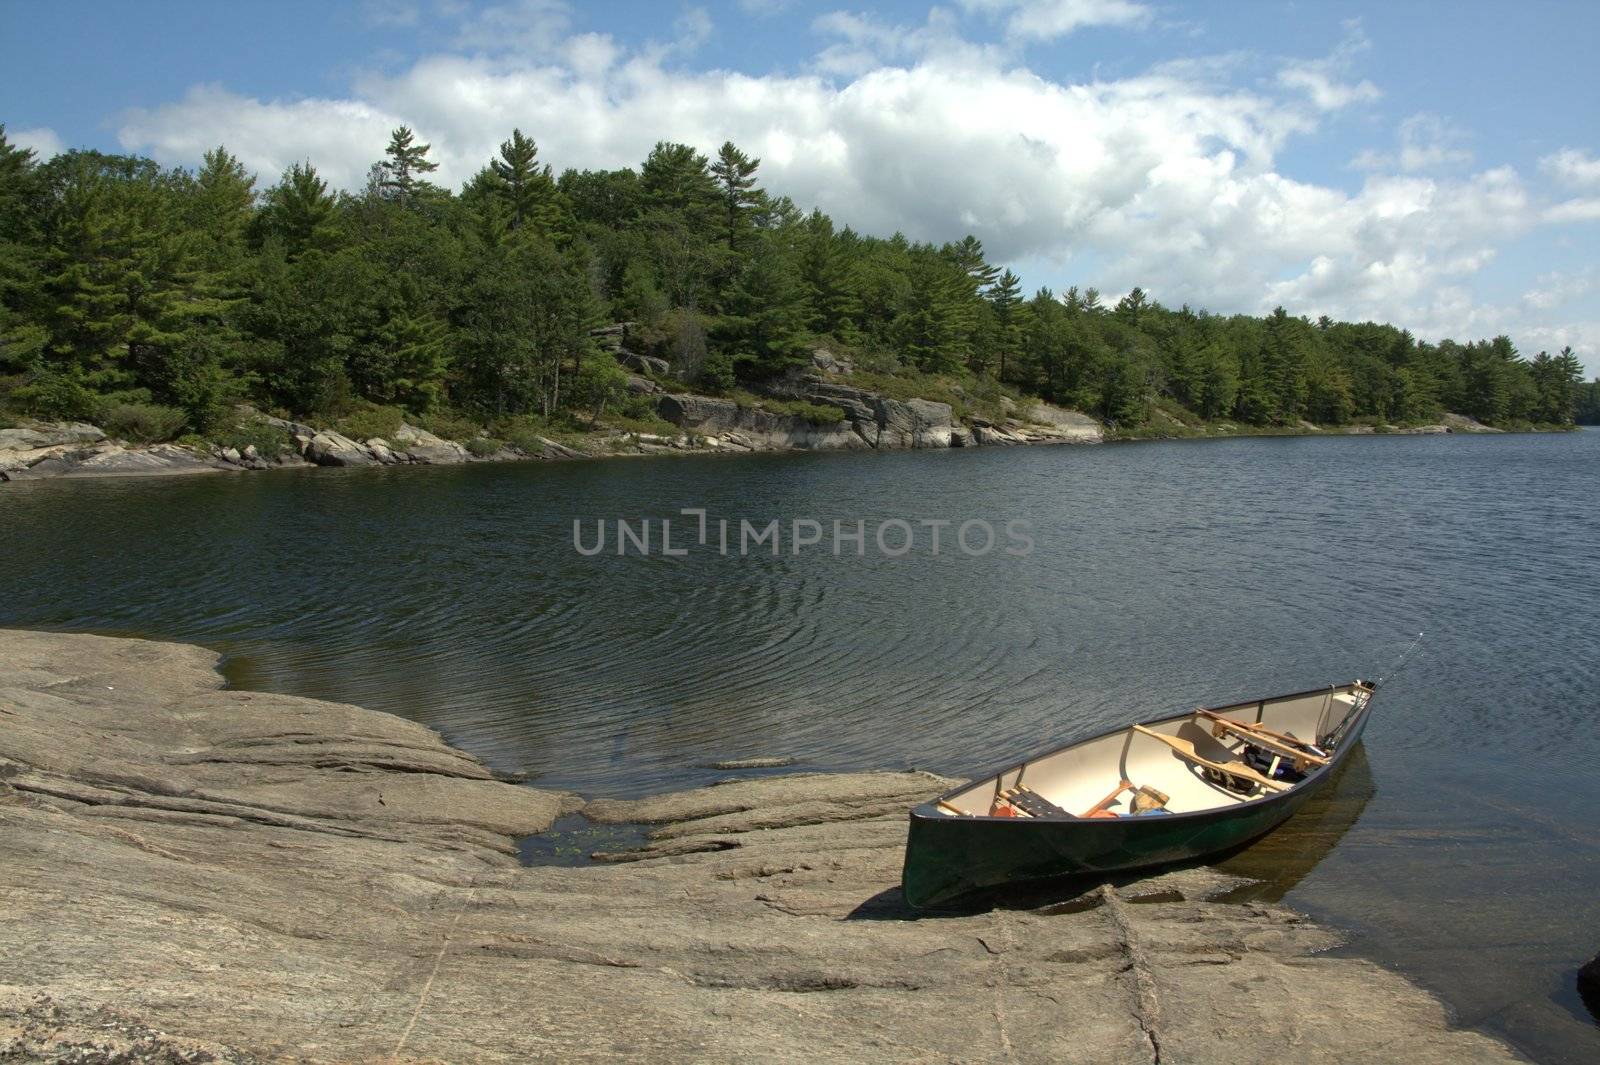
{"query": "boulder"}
pixel 756 429
pixel 633 360
pixel 641 386
pixel 328 448
pixel 1047 423
pixel 425 448
pixel 825 360
pixel 911 423
pixel 49 434
pixel 161 458
pixel 554 450
pixel 859 405
pixel 698 412
pixel 383 453
pixel 1589 986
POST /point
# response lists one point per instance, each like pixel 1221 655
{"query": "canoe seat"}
pixel 1235 769
pixel 1027 802
pixel 1300 755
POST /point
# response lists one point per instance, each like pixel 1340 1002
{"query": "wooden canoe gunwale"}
pixel 930 808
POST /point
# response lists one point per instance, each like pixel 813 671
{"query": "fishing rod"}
pixel 1399 664
pixel 1337 733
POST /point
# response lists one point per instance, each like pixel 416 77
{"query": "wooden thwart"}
pixel 1144 800
pixel 1233 769
pixel 1276 742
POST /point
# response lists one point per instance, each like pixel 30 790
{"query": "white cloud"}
pixel 1427 142
pixel 41 139
pixel 1046 20
pixel 1583 209
pixel 1169 179
pixel 1557 288
pixel 1572 167
pixel 342 138
pixel 1320 79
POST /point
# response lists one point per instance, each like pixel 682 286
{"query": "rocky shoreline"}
pixel 196 874
pixel 860 419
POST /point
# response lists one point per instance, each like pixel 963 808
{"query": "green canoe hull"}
pixel 949 860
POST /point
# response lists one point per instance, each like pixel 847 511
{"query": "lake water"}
pixel 1462 849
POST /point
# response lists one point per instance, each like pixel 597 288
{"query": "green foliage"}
pixel 57 396
pixel 370 422
pixel 717 374
pixel 268 440
pixel 483 446
pixel 299 211
pixel 191 292
pixel 815 413
pixel 399 174
pixel 1587 405
pixel 449 425
pixel 142 423
pixel 736 187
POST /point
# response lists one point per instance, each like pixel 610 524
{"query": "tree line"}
pixel 193 290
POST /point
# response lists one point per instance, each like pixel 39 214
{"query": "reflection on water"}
pixel 1166 575
pixel 1279 861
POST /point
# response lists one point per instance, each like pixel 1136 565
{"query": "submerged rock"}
pixel 1589 986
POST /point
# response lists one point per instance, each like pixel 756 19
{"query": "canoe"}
pixel 1171 789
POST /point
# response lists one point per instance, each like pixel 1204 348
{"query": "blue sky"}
pixel 1433 164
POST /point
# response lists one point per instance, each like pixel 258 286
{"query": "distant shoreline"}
pixel 76 450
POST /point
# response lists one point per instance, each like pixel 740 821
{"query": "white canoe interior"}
pixel 1171 756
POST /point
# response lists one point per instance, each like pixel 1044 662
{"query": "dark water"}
pixel 1463 849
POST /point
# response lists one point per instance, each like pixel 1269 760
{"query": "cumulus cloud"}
pixel 1168 179
pixel 341 137
pixel 41 139
pixel 1046 20
pixel 1572 167
pixel 1582 209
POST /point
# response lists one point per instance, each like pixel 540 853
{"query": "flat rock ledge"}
pixel 193 874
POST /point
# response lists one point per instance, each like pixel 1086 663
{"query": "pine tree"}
pixel 224 197
pixel 22 340
pixel 407 160
pixel 968 255
pixel 1131 308
pixel 765 320
pixel 527 190
pixel 300 210
pixel 832 301
pixel 1005 296
pixel 735 175
pixel 677 179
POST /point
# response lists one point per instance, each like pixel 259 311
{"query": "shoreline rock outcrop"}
pixel 200 874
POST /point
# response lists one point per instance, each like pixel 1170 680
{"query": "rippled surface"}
pixel 1462 849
